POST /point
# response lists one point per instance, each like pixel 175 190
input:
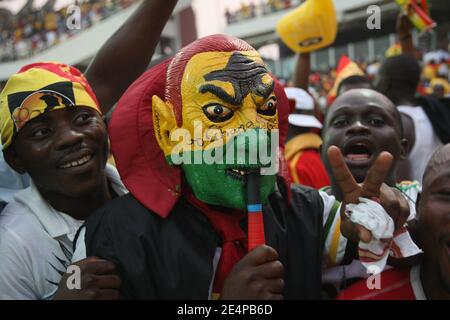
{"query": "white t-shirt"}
pixel 427 142
pixel 36 243
pixel 10 181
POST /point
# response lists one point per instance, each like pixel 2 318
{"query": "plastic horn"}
pixel 256 236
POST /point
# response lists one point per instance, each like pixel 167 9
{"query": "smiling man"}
pixel 52 128
pixel 111 71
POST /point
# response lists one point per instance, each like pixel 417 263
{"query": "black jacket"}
pixel 172 258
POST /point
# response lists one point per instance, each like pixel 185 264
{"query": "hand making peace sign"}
pixel 373 187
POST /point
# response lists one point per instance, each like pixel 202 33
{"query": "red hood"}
pixel 140 161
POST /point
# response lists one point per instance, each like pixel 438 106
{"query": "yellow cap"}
pixel 38 88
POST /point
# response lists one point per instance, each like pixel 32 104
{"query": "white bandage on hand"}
pixel 372 216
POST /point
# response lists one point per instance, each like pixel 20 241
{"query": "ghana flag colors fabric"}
pixel 418 13
pixel 39 88
pixel 346 68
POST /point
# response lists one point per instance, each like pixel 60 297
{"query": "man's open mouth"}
pixel 240 173
pixel 76 163
pixel 359 153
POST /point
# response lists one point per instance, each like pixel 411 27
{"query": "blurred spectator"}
pixel 229 16
pixel 434 80
pixel 303 142
pixel 251 9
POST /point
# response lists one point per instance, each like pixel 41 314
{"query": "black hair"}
pixel 402 76
pixel 356 79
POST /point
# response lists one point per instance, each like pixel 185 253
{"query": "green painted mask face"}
pixel 228 104
pixel 222 177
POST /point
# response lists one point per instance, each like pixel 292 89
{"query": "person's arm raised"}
pixel 128 52
pixel 302 69
pixel 404 33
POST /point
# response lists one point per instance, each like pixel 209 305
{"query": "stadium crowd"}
pixel 434 80
pixel 33 30
pixel 252 10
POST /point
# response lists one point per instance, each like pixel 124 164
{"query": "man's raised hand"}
pixel 373 187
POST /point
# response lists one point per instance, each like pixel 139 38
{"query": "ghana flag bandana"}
pixel 39 88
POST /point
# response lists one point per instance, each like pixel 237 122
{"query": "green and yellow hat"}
pixel 39 88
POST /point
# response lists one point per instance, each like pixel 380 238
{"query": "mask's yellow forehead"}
pixel 206 62
pixel 237 83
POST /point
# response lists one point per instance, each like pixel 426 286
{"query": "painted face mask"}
pixel 229 126
pixel 174 108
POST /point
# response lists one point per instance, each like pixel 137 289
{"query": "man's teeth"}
pixel 242 173
pixel 77 162
pixel 358 156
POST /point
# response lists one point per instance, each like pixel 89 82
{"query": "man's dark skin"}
pixel 434 226
pixel 259 275
pixel 362 123
pixel 99 281
pixel 128 52
pixel 302 70
pixel 58 137
pixel 404 34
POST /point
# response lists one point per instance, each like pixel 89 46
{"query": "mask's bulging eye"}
pixel 269 108
pixel 217 112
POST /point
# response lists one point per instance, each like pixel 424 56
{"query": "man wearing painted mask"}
pixel 184 235
pixel 53 130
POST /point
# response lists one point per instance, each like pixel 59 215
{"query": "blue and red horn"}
pixel 256 236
